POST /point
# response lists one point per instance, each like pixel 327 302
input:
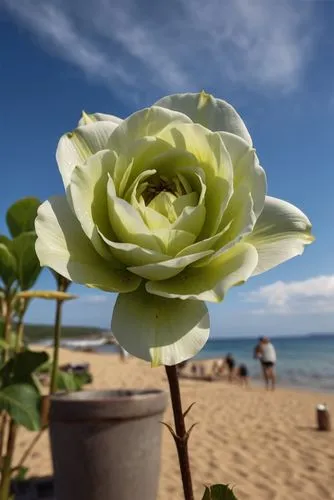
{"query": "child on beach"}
pixel 243 375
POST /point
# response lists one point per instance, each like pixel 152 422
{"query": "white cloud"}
pixel 311 296
pixel 94 299
pixel 135 46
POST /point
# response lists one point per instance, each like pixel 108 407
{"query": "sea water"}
pixel 301 361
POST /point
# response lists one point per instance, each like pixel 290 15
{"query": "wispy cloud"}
pixel 94 299
pixel 311 296
pixel 184 44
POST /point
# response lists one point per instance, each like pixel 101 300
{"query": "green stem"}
pixel 62 285
pixel 20 327
pixel 7 463
pixel 181 435
pixel 7 326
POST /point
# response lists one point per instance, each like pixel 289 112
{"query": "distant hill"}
pixel 34 333
pixel 319 335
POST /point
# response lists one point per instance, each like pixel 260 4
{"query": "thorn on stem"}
pixel 188 409
pixel 171 430
pixel 189 431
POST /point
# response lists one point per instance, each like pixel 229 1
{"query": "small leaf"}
pixel 21 401
pixel 7 265
pixel 21 473
pixel 21 216
pixel 28 267
pixel 44 294
pixel 68 382
pixel 219 492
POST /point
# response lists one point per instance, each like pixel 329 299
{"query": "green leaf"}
pixel 68 382
pixel 18 370
pixel 21 216
pixel 28 267
pixel 7 265
pixel 3 344
pixel 21 401
pixel 21 474
pixel 219 492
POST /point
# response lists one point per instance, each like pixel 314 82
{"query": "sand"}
pixel 264 443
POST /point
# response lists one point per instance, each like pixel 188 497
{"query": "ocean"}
pixel 306 362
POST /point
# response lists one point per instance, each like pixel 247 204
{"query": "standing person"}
pixel 243 375
pixel 268 360
pixel 230 362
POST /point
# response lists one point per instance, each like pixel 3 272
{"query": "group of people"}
pixel 264 351
pixel 240 373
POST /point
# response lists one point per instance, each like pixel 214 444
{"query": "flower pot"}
pixel 106 444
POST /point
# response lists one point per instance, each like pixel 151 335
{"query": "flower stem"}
pixel 181 436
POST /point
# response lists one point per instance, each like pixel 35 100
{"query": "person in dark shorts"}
pixel 267 356
pixel 243 375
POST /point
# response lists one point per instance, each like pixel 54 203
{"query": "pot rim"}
pixel 110 395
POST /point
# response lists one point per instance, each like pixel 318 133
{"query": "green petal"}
pixel 168 268
pixel 159 330
pixel 192 218
pixel 127 224
pixel 88 118
pixel 144 123
pixel 63 246
pixel 88 197
pixel 214 114
pixel 280 233
pixel 238 220
pixel 75 147
pixel 211 282
pixel 172 241
pixel 247 170
pixel 133 255
pixel 212 156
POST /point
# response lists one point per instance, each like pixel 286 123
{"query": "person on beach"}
pixel 243 375
pixel 230 363
pixel 219 367
pixel 267 355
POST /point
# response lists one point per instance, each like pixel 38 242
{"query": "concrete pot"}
pixel 106 444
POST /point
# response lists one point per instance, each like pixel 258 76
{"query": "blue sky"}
pixel 271 60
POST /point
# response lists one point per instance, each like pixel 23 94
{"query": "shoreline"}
pixel 256 381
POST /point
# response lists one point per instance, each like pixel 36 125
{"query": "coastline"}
pixel 265 443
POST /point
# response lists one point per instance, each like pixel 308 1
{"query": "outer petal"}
pixel 280 233
pixel 212 281
pixel 88 196
pixel 163 331
pixel 247 170
pixel 203 108
pixel 75 147
pixel 63 246
pixel 87 118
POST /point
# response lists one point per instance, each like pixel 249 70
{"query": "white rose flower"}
pixel 168 208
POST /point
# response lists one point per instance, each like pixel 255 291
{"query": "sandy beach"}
pixel 264 443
